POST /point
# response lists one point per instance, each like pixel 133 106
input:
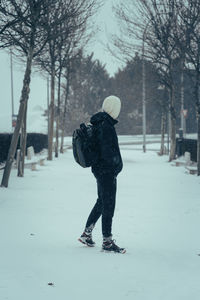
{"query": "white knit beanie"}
pixel 112 106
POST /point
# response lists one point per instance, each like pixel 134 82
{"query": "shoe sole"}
pixel 84 243
pixel 111 251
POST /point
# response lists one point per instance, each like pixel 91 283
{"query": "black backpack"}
pixel 84 148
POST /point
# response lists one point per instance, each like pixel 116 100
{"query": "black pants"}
pixel 105 205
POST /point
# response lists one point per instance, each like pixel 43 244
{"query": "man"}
pixel 106 169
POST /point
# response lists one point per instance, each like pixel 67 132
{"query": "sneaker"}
pixel 86 239
pixel 110 246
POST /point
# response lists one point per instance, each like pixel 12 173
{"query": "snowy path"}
pixel 157 219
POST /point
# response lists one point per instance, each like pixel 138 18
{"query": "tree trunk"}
pixel 58 116
pixel 173 126
pixel 163 125
pixel 198 144
pixel 20 117
pixel 51 117
pixel 64 114
pixel 63 133
pixel 22 146
pixel 197 87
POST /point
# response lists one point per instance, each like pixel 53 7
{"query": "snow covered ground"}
pixel 156 219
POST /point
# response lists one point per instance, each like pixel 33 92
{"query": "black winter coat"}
pixel 110 161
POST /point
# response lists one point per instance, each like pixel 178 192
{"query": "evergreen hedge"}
pixel 186 145
pixel 39 142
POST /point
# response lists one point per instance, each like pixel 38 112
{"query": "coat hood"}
pixel 102 116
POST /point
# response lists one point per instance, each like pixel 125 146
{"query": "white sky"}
pixel 38 95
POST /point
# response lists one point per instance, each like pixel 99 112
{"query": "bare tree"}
pixel 21 25
pixel 163 20
pixel 68 48
pixel 62 24
pixel 23 137
pixel 73 51
pixel 188 39
pixel 74 45
pixel 66 94
pixel 153 23
pixel 64 66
